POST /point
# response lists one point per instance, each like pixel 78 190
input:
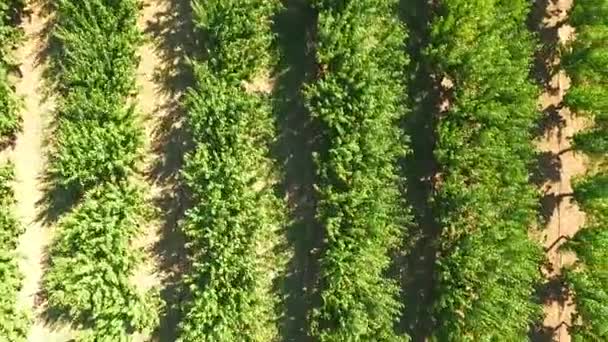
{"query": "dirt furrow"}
pixel 564 218
pixel 161 82
pixel 29 159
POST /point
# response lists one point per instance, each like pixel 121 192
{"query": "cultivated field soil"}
pixel 564 218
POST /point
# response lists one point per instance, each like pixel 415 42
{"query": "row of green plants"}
pixel 358 101
pixel 96 150
pixel 487 265
pixel 14 322
pixel 10 35
pixel 231 228
pixel 586 61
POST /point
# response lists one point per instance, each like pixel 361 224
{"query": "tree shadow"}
pixel 544 68
pixel 548 166
pixel 549 121
pixel 298 138
pixel 547 169
pixel 548 204
pixel 171 33
pixel 57 199
pixel 49 46
pixel 418 267
pixel 553 289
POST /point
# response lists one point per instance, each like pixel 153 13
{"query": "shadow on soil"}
pixel 57 199
pixel 171 33
pixel 548 164
pixel 553 290
pixel 294 27
pixel 418 269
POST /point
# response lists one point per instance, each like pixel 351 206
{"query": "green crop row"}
pixel 231 226
pixel 10 121
pixel 13 322
pixel 92 263
pixel 358 100
pixel 586 62
pixel 97 136
pixel 96 148
pixel 487 264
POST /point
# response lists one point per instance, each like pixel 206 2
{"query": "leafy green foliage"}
pixel 588 277
pixel 97 136
pixel 230 228
pixel 96 149
pixel 358 100
pixel 487 264
pixel 10 121
pixel 92 262
pixel 585 62
pixel 13 322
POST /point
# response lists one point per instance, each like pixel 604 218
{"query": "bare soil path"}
pixel 564 218
pixel 162 78
pixel 29 159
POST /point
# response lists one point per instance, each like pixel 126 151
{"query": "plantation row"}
pixel 14 323
pixel 585 62
pixel 487 267
pixel 96 150
pixel 10 36
pixel 358 100
pixel 232 224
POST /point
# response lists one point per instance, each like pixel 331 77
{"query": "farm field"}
pixel 303 170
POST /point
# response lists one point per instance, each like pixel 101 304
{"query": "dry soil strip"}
pixel 29 159
pixel 566 218
pixel 157 103
pixel 149 103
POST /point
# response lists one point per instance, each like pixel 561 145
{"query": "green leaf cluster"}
pixel 358 100
pixel 588 277
pixel 10 36
pixel 487 264
pixel 92 260
pixel 97 136
pixel 91 264
pixel 231 226
pixel 585 61
pixel 14 323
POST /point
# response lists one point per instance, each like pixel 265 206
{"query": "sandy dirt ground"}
pixel 150 102
pixel 29 158
pixel 564 216
pixel 160 87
